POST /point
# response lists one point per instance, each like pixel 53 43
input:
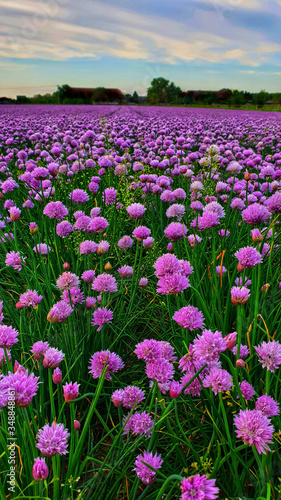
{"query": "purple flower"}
pixel 220 270
pixel 40 173
pixel 105 283
pixel 55 210
pixel 175 389
pixel 97 225
pixel 198 488
pixel 39 348
pixel 209 345
pixel 208 220
pixel 88 276
pixel 193 240
pixel 269 354
pixel 52 439
pixel 167 264
pixel 237 204
pixel 57 376
pixel 76 296
pixel 42 248
pixel 83 224
pixel 139 423
pixel 195 387
pixel 14 213
pixel 23 386
pixel 247 390
pixel 244 351
pixel 239 295
pixel 13 259
pixel 79 196
pixel 219 380
pixel 273 203
pixel 214 207
pixel 189 317
pixel 172 284
pixel 162 372
pixel 30 298
pixel 248 257
pixel 144 473
pixel 40 469
pixel 239 281
pixel 141 233
pixel 186 268
pixel 254 428
pixel 101 316
pixel 103 247
pixel 3 354
pixel 87 247
pixel 136 210
pixel 255 214
pixel 95 212
pixel 148 243
pixel 105 358
pixel 223 233
pixel 149 350
pixel 175 210
pixel 117 397
pixel 267 406
pixel 90 302
pixel 8 336
pixel 125 242
pixel 128 397
pixel 175 231
pixel 179 194
pixel 109 195
pixel 196 186
pixel 143 282
pixel 67 281
pixel 125 271
pixel 70 391
pixel 52 358
pixel 59 312
pixel 64 229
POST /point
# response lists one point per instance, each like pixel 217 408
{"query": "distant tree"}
pixel 238 98
pixel 174 94
pixel 161 91
pixel 135 97
pixel 187 99
pixel 261 98
pixel 62 91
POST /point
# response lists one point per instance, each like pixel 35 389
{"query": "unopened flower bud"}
pixel 57 376
pixel 247 176
pixel 33 228
pixel 108 267
pixel 66 266
pixel 70 391
pixel 240 363
pixel 52 319
pixel 240 268
pixel 77 425
pixel 230 340
pixel 175 389
pixel 264 288
pixel 40 469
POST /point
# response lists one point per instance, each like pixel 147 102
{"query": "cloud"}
pixel 63 29
pixel 237 4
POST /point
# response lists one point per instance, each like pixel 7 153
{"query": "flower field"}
pixel 140 303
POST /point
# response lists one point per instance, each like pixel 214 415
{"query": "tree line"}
pixel 160 92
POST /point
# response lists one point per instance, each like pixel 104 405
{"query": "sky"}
pixel 197 44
